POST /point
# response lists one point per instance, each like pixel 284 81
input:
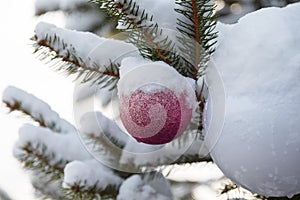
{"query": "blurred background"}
pixel 19 67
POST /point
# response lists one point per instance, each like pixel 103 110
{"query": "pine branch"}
pixel 184 159
pixel 40 151
pixel 38 161
pixel 45 188
pixel 228 188
pixel 39 111
pixel 198 35
pixel 17 106
pixel 81 191
pixel 143 32
pixel 71 64
pixel 49 173
pixel 89 180
pixel 101 145
pixel 103 136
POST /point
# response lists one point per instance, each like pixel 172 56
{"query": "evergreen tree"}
pixel 60 165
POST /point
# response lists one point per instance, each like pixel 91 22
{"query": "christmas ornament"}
pixel 156 102
pixel 259 146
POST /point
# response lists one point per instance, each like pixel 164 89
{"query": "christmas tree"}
pixel 152 100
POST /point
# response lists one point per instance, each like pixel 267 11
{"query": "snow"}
pixel 37 109
pixel 54 143
pixel 136 72
pixel 78 43
pixel 258 60
pixel 44 185
pixel 138 155
pixel 200 172
pixel 86 90
pixel 96 123
pixel 88 174
pixel 136 188
pixel 111 51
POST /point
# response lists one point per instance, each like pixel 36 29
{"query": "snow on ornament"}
pixel 156 102
pixel 258 60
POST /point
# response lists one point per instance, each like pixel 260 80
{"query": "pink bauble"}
pixel 154 114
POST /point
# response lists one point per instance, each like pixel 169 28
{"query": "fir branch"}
pixel 105 144
pixel 17 106
pixel 45 172
pixel 143 32
pixel 70 63
pixel 46 189
pixel 37 160
pixel 111 148
pixel 18 100
pixel 198 35
pixel 228 188
pixel 184 159
pixel 196 123
pixel 81 191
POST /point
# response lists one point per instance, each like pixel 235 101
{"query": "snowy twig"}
pixel 70 50
pixel 144 31
pixel 103 134
pixel 90 179
pixel 73 61
pixel 39 161
pixel 18 100
pixel 184 159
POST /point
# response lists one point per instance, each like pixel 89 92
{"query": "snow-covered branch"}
pixel 71 51
pixel 38 144
pixel 19 100
pixel 95 124
pixel 46 186
pixel 90 179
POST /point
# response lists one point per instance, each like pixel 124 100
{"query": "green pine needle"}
pixel 143 32
pixel 71 64
pixel 198 34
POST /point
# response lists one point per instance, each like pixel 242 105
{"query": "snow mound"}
pixel 49 143
pixel 259 61
pixel 76 42
pixel 88 174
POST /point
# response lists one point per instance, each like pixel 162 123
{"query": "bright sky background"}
pixel 20 68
